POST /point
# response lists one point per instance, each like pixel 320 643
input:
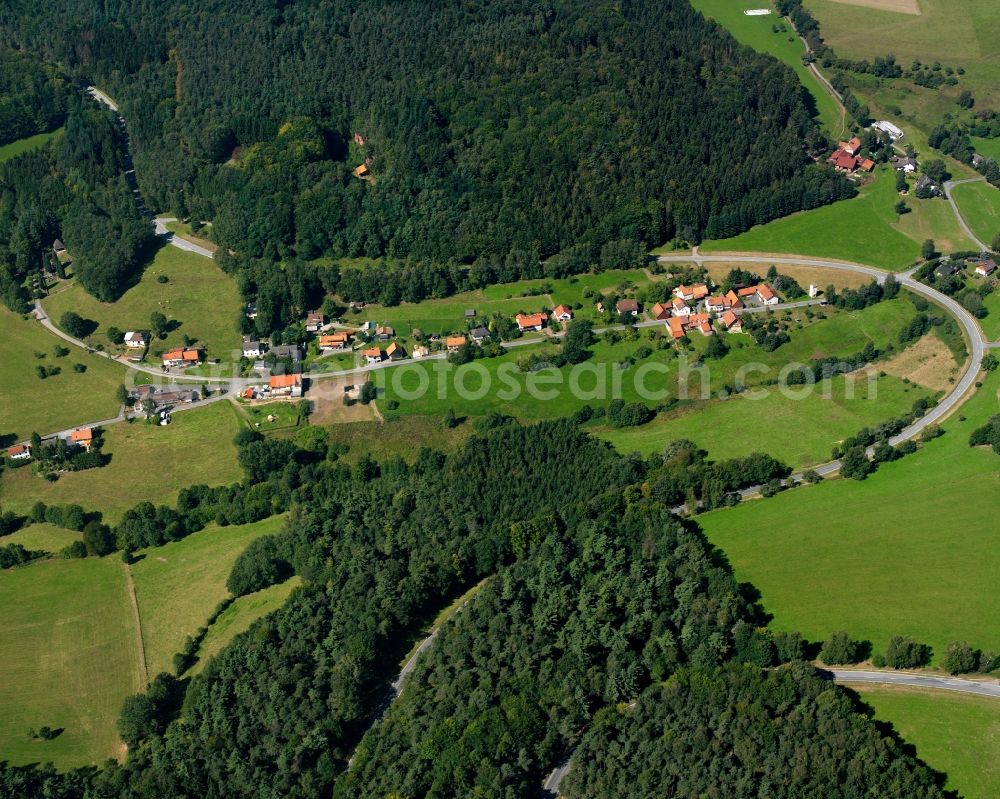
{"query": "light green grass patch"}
pixel 912 550
pixel 239 616
pixel 179 584
pixel 42 537
pixel 954 733
pixel 758 33
pixel 148 463
pixel 198 294
pixel 16 148
pixel 865 229
pixel 799 432
pixel 988 148
pixel 70 657
pixel 980 205
pixel 29 404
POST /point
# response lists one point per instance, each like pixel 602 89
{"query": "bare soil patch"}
pixel 899 6
pixel 327 397
pixel 804 275
pixel 928 363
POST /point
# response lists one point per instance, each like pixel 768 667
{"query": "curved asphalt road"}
pixel 948 186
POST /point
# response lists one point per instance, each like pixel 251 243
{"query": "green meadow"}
pixel 980 205
pixel 42 537
pixel 70 656
pixel 15 148
pixel 912 550
pixel 148 463
pixel 29 404
pixel 198 297
pixel 955 733
pixel 864 229
pixel 179 584
pixel 758 33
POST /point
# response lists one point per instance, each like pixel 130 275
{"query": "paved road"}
pixel 948 186
pixel 990 688
pixel 179 242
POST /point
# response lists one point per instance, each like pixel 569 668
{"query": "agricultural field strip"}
pixel 973 333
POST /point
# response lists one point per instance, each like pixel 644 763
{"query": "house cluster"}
pixel 847 157
pixel 150 399
pixel 904 164
pixel 694 308
pixel 80 438
pixel 276 387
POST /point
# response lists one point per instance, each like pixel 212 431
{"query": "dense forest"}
pixel 527 129
pixel 32 97
pixel 594 595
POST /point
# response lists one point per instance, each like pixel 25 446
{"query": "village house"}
pixel 628 306
pixel 562 313
pixel 985 265
pixel 384 333
pixel 182 357
pixel 421 352
pixel 904 164
pixel 731 323
pixel 361 171
pixel 251 310
pixel 866 165
pixel 480 335
pixel 293 351
pixel 700 322
pixel 924 183
pixel 530 321
pixel 661 311
pixel 136 340
pixel 716 304
pixel 82 437
pixel 454 342
pixel 372 355
pixel 252 348
pixel 733 300
pixel 19 452
pixel 394 352
pixel 947 268
pixel 843 160
pixel 675 324
pixel 679 307
pixel 335 342
pixel 314 321
pixel 691 293
pixel 765 295
pixel 285 385
pixel 852 147
pixel 978 161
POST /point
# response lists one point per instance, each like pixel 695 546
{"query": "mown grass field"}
pixel 735 427
pixel 953 733
pixel 148 462
pixel 865 229
pixel 42 537
pixel 29 404
pixel 957 33
pixel 980 205
pixel 757 32
pixel 497 384
pixel 70 657
pixel 15 148
pixel 238 617
pixel 989 148
pixel 179 584
pixel 911 550
pixel 197 294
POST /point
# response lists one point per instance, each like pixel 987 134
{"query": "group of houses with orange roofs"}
pixel 695 308
pixel 182 357
pixel 847 157
pixel 80 438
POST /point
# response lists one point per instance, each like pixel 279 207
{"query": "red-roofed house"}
pixel 853 147
pixel 700 291
pixel 373 355
pixel 733 299
pixel 530 321
pixel 82 437
pixel 766 296
pixel 676 326
pixel 749 291
pixel 454 342
pixel 286 385
pixel 19 452
pixel 866 165
pixel 731 322
pixel 716 304
pixel 335 342
pixel 562 313
pixel 680 308
pixel 661 311
pixel 181 357
pixel 841 159
pixel 628 307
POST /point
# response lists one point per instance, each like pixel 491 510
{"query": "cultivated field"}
pixel 29 404
pixel 70 657
pixel 911 550
pixel 865 229
pixel 784 45
pixel 953 733
pixel 980 205
pixel 198 295
pixel 238 617
pixel 148 462
pixel 179 584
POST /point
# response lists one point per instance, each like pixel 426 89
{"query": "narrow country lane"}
pixel 948 186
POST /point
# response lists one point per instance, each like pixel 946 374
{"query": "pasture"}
pixel 148 462
pixel 864 229
pixel 42 537
pixel 912 550
pixel 980 205
pixel 198 298
pixel 757 32
pixel 178 585
pixel 70 657
pixel 954 733
pixel 29 404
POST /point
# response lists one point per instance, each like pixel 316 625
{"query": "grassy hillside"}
pixel 44 537
pixel 956 734
pixel 70 657
pixel 784 45
pixel 980 205
pixel 198 295
pixel 148 462
pixel 28 403
pixel 865 229
pixel 179 584
pixel 911 550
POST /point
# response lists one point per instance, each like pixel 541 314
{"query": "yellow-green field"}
pixel 148 462
pixel 15 148
pixel 29 404
pixel 179 584
pixel 954 733
pixel 42 537
pixel 980 205
pixel 197 294
pixel 69 655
